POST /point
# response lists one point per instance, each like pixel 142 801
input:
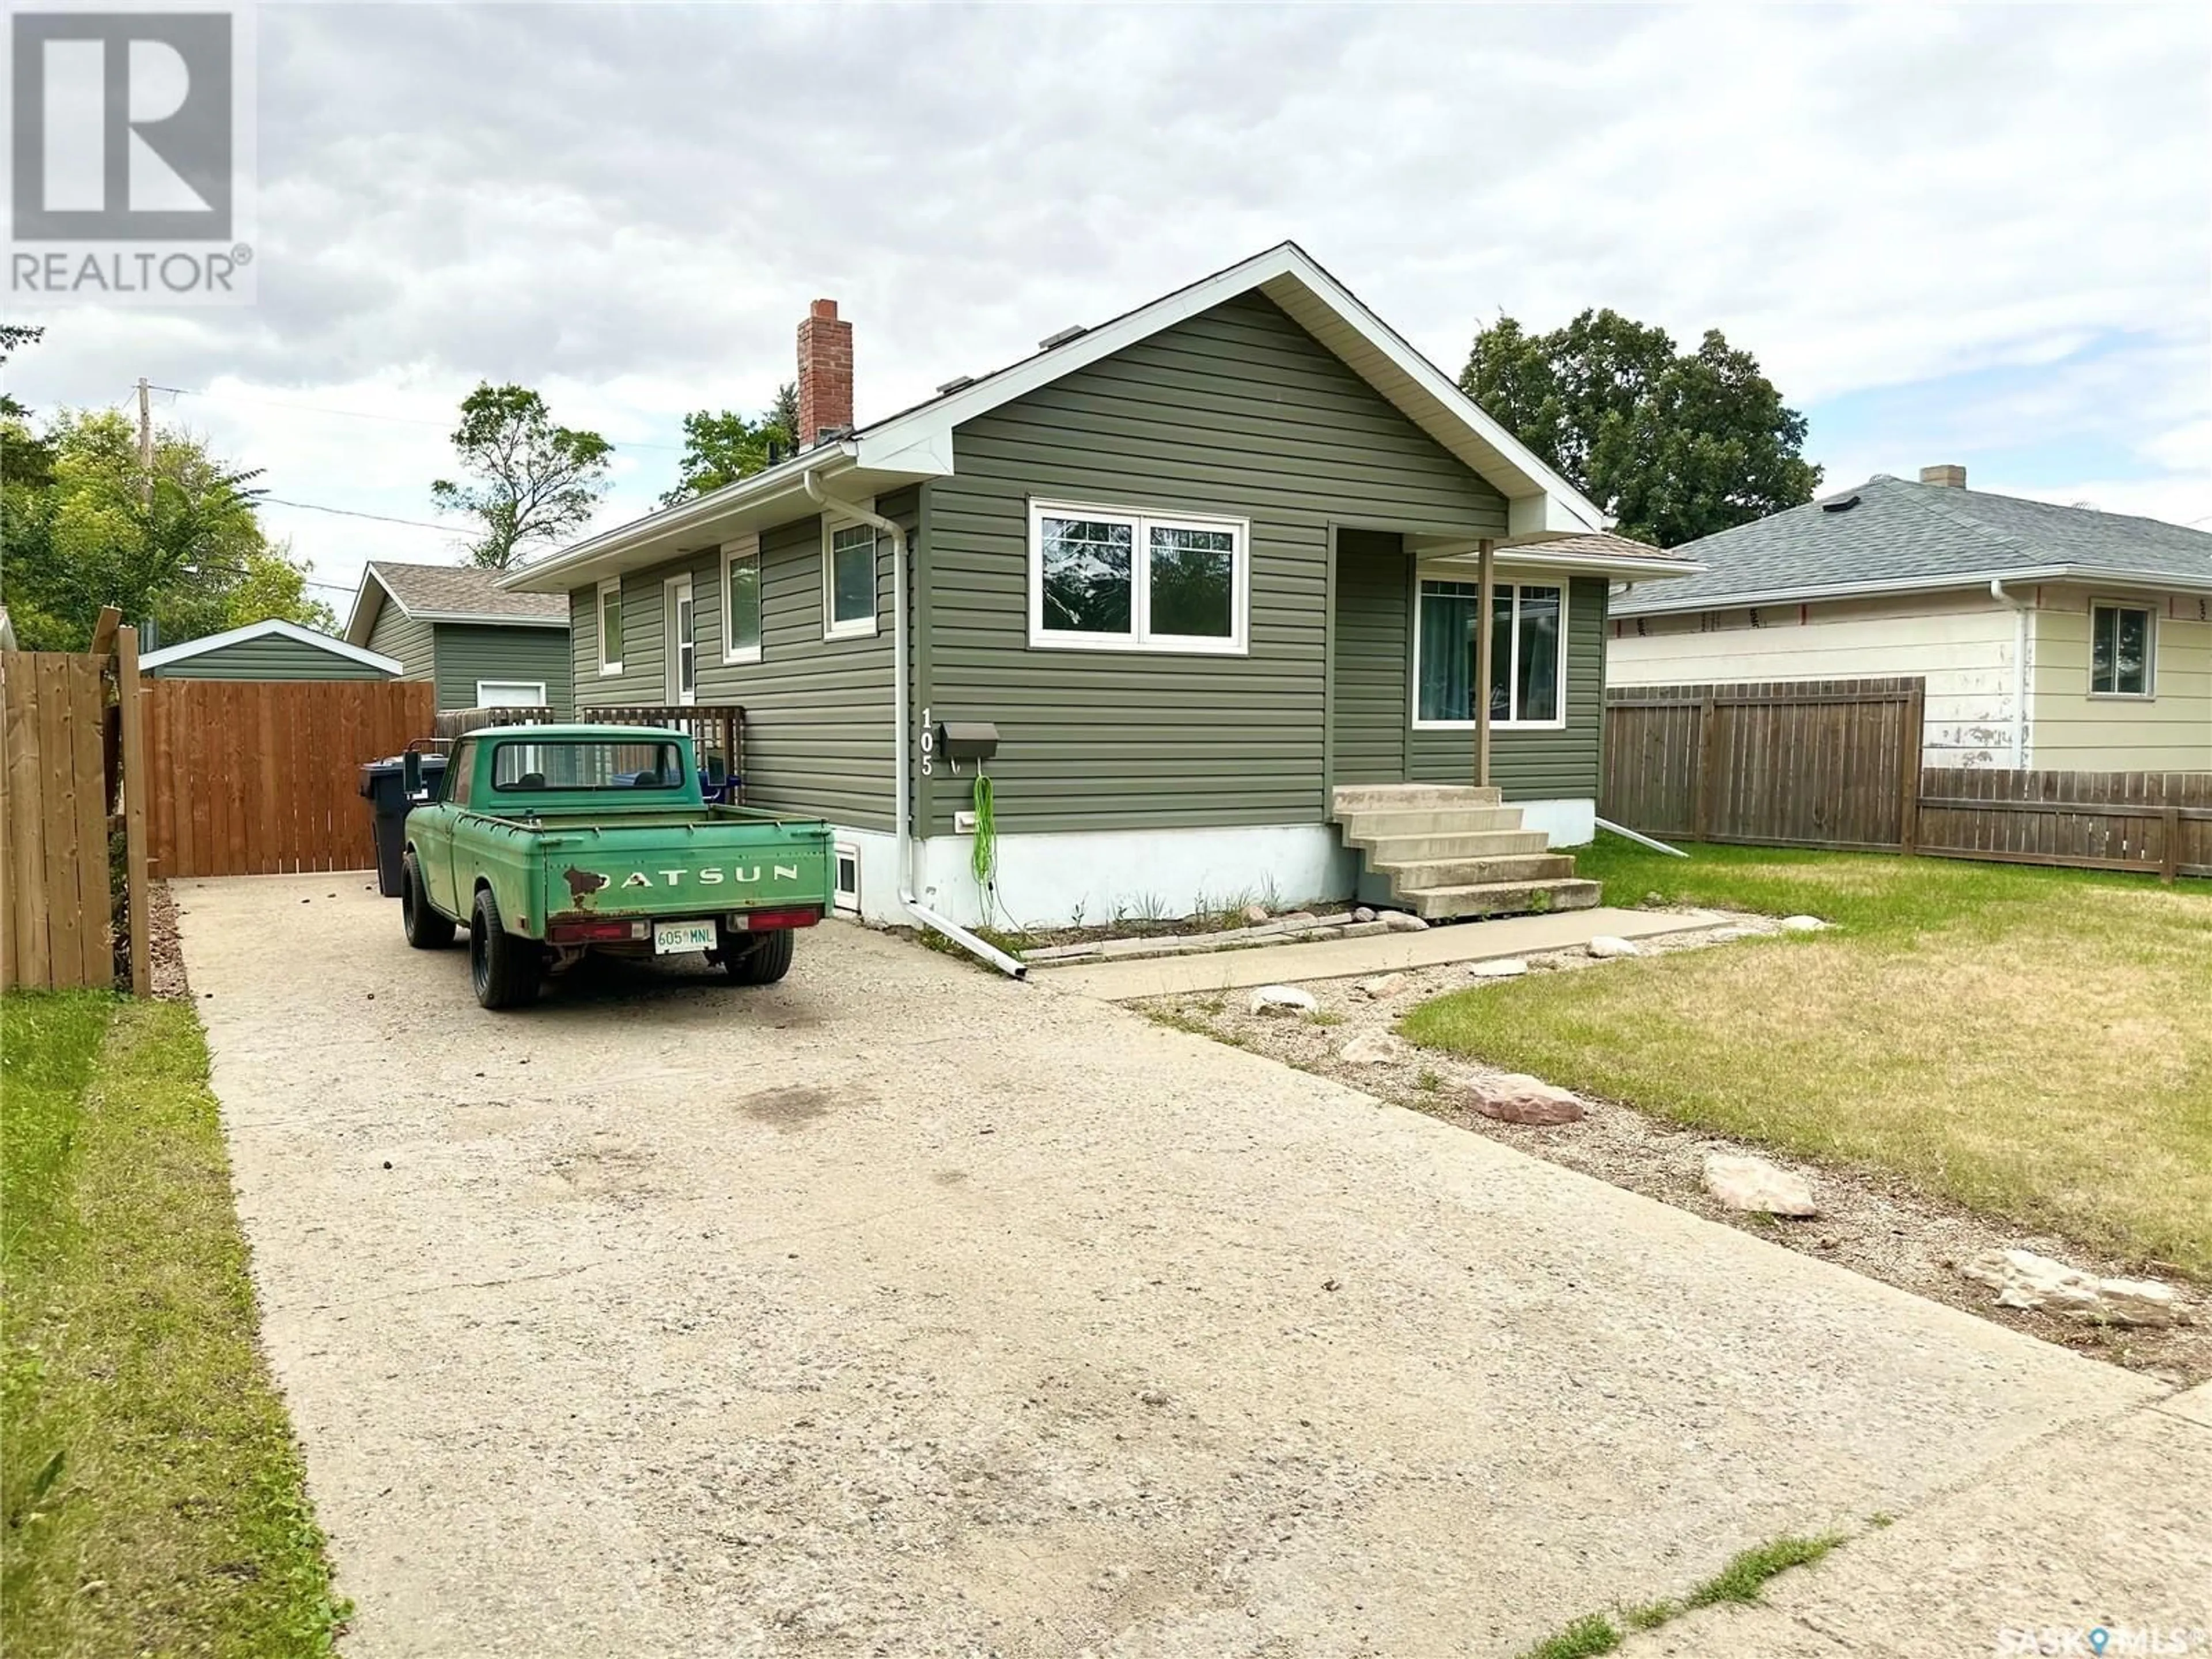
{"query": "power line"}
pixel 361 414
pixel 348 513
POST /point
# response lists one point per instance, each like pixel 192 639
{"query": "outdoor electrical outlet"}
pixel 963 823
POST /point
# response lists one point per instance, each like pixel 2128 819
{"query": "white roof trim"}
pixel 1532 557
pixel 917 443
pixel 360 622
pixel 337 648
pixel 2090 576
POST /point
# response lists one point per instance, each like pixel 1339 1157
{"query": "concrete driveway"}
pixel 900 1309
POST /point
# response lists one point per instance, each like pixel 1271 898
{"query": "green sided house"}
pixel 485 647
pixel 268 651
pixel 1197 589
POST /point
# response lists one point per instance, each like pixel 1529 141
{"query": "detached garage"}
pixel 268 651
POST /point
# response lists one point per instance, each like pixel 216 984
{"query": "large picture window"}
pixel 2120 650
pixel 1106 579
pixel 1527 653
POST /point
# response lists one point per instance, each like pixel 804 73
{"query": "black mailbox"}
pixel 969 740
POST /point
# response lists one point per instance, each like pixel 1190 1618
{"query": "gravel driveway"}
pixel 899 1308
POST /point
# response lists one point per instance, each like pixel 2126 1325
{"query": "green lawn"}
pixel 2036 1043
pixel 152 1489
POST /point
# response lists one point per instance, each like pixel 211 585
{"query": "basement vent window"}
pixel 849 879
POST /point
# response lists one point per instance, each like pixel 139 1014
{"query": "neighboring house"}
pixel 484 645
pixel 2059 638
pixel 267 651
pixel 1200 566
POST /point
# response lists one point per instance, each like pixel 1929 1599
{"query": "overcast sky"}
pixel 1981 235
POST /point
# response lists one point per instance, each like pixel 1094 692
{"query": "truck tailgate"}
pixel 705 867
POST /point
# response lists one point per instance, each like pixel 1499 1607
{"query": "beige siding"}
pixel 2170 731
pixel 1962 644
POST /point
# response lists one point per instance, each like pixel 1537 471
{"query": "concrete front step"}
pixel 1500 898
pixel 1356 798
pixel 1460 844
pixel 1376 824
pixel 1476 872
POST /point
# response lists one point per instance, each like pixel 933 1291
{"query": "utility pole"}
pixel 145 445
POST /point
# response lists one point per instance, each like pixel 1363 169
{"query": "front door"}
pixel 682 669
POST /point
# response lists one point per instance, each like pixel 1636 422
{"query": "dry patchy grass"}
pixel 2034 1044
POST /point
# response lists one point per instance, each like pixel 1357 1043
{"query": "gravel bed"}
pixel 1871 1222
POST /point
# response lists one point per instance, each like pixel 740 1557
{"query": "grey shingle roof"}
pixel 450 590
pixel 1903 535
pixel 1602 544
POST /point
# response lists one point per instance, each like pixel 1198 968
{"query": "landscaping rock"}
pixel 2025 1280
pixel 1362 914
pixel 1404 921
pixel 1372 1049
pixel 1256 914
pixel 1803 924
pixel 1283 999
pixel 1518 1098
pixel 1384 984
pixel 1605 947
pixel 1301 919
pixel 1753 1184
pixel 1503 967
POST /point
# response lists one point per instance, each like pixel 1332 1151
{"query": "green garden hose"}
pixel 984 857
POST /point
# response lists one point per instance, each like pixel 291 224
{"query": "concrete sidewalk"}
pixel 1379 953
pixel 2108 1525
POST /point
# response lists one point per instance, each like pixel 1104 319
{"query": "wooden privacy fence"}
pixel 1836 764
pixel 260 777
pixel 1830 763
pixel 54 860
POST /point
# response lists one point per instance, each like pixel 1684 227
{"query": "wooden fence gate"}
pixel 1831 763
pixel 54 858
pixel 259 777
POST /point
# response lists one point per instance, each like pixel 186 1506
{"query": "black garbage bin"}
pixel 384 787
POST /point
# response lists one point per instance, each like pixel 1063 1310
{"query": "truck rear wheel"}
pixel 427 930
pixel 759 958
pixel 505 971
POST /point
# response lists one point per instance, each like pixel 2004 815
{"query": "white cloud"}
pixel 630 208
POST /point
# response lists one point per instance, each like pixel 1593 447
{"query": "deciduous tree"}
pixel 533 481
pixel 1673 445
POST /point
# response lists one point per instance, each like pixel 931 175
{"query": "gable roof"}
pixel 448 592
pixel 1890 536
pixel 260 630
pixel 916 443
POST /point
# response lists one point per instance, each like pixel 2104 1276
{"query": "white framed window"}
pixel 848 579
pixel 1112 579
pixel 1528 654
pixel 848 890
pixel 680 664
pixel 510 694
pixel 611 634
pixel 2123 649
pixel 741 600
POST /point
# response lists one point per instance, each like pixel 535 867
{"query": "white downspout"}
pixel 902 836
pixel 2019 608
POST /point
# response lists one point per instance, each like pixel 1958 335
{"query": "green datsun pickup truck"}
pixel 549 841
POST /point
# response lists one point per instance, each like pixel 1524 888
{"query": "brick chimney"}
pixel 1950 477
pixel 825 373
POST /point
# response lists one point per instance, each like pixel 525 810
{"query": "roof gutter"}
pixel 902 757
pixel 2019 608
pixel 1964 580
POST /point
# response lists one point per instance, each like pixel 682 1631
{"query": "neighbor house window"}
pixel 741 601
pixel 610 638
pixel 2120 643
pixel 1106 579
pixel 1527 625
pixel 510 694
pixel 848 580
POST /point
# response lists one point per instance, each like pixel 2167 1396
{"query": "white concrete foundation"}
pixel 1087 878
